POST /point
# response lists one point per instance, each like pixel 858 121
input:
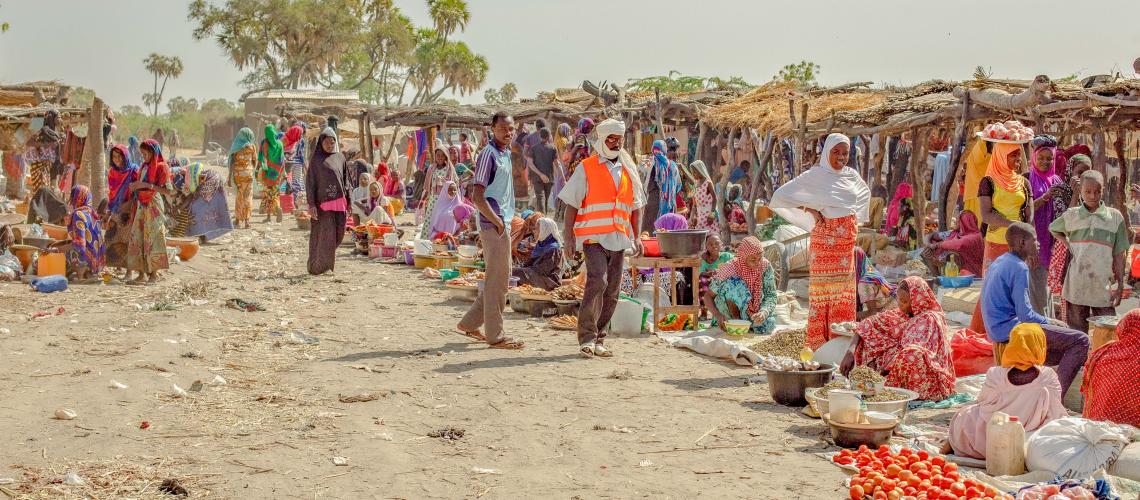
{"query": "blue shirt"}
pixel 1005 298
pixel 493 172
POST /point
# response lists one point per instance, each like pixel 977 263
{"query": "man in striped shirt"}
pixel 492 193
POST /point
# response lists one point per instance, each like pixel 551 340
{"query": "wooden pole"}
pixel 726 235
pixel 657 111
pixel 757 173
pixel 367 132
pixel 918 181
pixel 960 132
pixel 1120 196
pixel 1100 154
pixel 94 176
pixel 702 135
pixel 801 138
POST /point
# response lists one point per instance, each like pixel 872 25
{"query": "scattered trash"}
pixel 144 425
pixel 192 354
pixel 359 398
pixel 450 433
pixel 480 470
pixel 47 314
pixel 385 436
pixel 65 414
pixel 339 461
pixel 118 385
pixel 196 302
pixel 613 428
pixel 163 306
pixel 645 463
pixel 180 392
pixel 297 338
pixel 218 380
pixel 243 305
pixel 5 331
pixel 620 375
pixel 173 487
pixel 7 480
pixel 196 386
pixel 72 478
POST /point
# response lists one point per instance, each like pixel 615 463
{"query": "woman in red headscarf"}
pixel 908 343
pixel 146 252
pixel 294 146
pixel 1110 388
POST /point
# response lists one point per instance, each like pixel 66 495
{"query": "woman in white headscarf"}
pixel 830 200
pixel 703 214
pixel 544 267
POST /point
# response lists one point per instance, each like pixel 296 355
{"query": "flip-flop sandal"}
pixel 475 335
pixel 586 351
pixel 508 344
pixel 601 352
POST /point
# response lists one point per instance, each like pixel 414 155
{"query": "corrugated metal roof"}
pixel 342 95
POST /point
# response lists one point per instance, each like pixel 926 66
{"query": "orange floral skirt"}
pixel 831 285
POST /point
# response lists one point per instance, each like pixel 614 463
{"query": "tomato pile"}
pixel 910 475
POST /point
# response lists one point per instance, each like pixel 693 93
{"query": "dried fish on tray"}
pixel 569 292
pixel 532 292
pixel 563 322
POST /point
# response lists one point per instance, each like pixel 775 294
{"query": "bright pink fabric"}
pixel 337 205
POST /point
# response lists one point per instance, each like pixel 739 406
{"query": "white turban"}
pixel 609 127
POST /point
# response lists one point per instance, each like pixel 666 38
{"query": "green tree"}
pixel 502 95
pixel 676 83
pixel 181 105
pixel 81 97
pixel 449 16
pixel 217 108
pixel 803 74
pixel 374 64
pixel 131 109
pixel 165 67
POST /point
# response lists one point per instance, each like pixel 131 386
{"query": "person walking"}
pixel 603 201
pixel 492 193
pixel 541 159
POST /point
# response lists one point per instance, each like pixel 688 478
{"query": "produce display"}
pixel 1069 490
pixel 475 276
pixel 834 384
pixel 1011 130
pixel 909 474
pixel 464 281
pixel 866 380
pixel 786 364
pixel 431 273
pixel 787 343
pixel 569 292
pixel 563 322
pixel 532 290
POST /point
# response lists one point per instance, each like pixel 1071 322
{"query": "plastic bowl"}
pixel 878 418
pixel 448 274
pixel 737 327
pixel 650 247
pixel 962 281
pixel 788 388
pixel 892 407
pixel 468 251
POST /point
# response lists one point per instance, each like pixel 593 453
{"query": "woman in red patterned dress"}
pixel 829 200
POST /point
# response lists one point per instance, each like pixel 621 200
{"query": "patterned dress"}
pixel 914 350
pixel 146 251
pixel 831 284
pixel 242 172
pixel 704 209
pixel 1111 374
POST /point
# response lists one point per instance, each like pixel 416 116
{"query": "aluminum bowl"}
pixel 681 244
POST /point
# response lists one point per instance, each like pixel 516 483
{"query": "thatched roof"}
pixel 768 107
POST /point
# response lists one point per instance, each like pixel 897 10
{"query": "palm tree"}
pixel 166 67
pixel 449 16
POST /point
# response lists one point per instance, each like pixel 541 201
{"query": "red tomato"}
pixel 879 495
pixel 893 470
pixel 923 474
pixel 923 455
pixel 894 495
pixel 938 461
pixel 910 491
pixel 862 448
pixel 889 484
pixel 856 492
pixel 917 466
pixel 845 452
pixel 883 449
pixel 958 488
pixel 950 467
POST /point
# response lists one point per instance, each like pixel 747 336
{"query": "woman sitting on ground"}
pixel 908 344
pixel 544 267
pixel 744 288
pixel 874 292
pixel 965 244
pixel 1021 387
pixel 84 246
pixel 1110 388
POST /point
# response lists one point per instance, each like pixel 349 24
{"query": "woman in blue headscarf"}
pixel 133 147
pixel 662 189
pixel 242 158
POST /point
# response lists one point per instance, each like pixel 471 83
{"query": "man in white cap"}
pixel 603 201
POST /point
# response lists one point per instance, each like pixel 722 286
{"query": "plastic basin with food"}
pixel 961 281
pixel 464 293
pixel 788 388
pixel 896 406
pixel 737 327
pixel 468 251
pixel 517 303
pixel 856 435
pixel 683 243
pixel 55 232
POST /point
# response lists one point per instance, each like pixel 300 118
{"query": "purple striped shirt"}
pixel 486 163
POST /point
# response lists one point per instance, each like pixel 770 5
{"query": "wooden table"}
pixel 659 263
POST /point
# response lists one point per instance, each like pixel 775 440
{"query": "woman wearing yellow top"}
pixel 1002 196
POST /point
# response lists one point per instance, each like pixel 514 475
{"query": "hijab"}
pixel 84 229
pixel 867 274
pixel 902 192
pixel 1038 181
pixel 977 162
pixel 442 217
pixel 334 163
pixel 548 238
pixel 392 185
pixel 243 138
pixel 136 153
pixel 273 156
pixel 49 133
pixel 999 170
pixel 667 177
pixel 1111 374
pixel 922 298
pixel 1026 347
pixel 671 222
pixel 753 277
pixel 150 171
pixel 835 192
pixel 461 212
pixel 292 136
pixel 119 179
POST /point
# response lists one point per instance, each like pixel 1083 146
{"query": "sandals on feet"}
pixel 586 351
pixel 510 344
pixel 475 335
pixel 601 351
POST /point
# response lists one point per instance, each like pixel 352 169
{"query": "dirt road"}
pixel 651 422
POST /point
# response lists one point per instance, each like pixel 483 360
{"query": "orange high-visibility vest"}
pixel 605 209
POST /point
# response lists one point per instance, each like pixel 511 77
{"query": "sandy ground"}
pixel 651 422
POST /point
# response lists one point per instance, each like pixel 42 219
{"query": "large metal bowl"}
pixel 855 435
pixel 683 243
pixel 787 388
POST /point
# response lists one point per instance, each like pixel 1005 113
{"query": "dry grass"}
pixel 121 477
pixel 766 107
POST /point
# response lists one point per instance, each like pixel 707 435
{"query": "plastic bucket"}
pixel 629 317
pixel 51 263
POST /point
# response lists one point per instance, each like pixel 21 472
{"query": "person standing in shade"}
pixel 492 193
pixel 541 158
pixel 603 201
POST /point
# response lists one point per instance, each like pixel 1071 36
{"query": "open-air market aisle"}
pixel 362 368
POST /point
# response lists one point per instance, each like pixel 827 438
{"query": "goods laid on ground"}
pixel 569 292
pixel 464 281
pixel 563 322
pixel 834 384
pixel 533 293
pixel 785 364
pixel 786 343
pixel 909 473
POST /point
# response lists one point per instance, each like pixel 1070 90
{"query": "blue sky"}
pixel 542 44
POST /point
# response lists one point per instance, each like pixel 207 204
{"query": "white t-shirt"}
pixel 574 193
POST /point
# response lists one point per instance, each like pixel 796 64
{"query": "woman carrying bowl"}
pixel 744 288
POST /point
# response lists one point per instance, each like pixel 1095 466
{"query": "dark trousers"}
pixel 542 194
pixel 1078 316
pixel 603 282
pixel 1066 349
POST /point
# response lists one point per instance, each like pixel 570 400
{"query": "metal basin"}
pixel 681 244
pixel 787 388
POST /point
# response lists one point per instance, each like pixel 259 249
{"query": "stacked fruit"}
pixel 909 474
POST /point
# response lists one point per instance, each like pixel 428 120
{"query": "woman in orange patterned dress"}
pixel 830 200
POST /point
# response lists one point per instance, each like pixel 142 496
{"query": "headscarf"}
pixel 999 170
pixel 902 192
pixel 356 169
pixel 700 168
pixel 668 179
pixel 135 152
pixel 210 184
pixel 753 277
pixel 548 238
pixel 461 212
pixel 442 218
pixel 867 274
pixel 977 161
pixel 1026 347
pixel 671 222
pixel 84 230
pixel 192 171
pixel 334 162
pixel 149 171
pixel 1041 182
pixel 585 126
pixel 119 179
pixel 271 158
pixel 292 136
pixel 49 133
pixel 243 138
pixel 1111 375
pixel 392 185
pixel 614 127
pixel 1080 158
pixel 834 192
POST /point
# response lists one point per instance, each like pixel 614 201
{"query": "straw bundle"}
pixel 766 107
